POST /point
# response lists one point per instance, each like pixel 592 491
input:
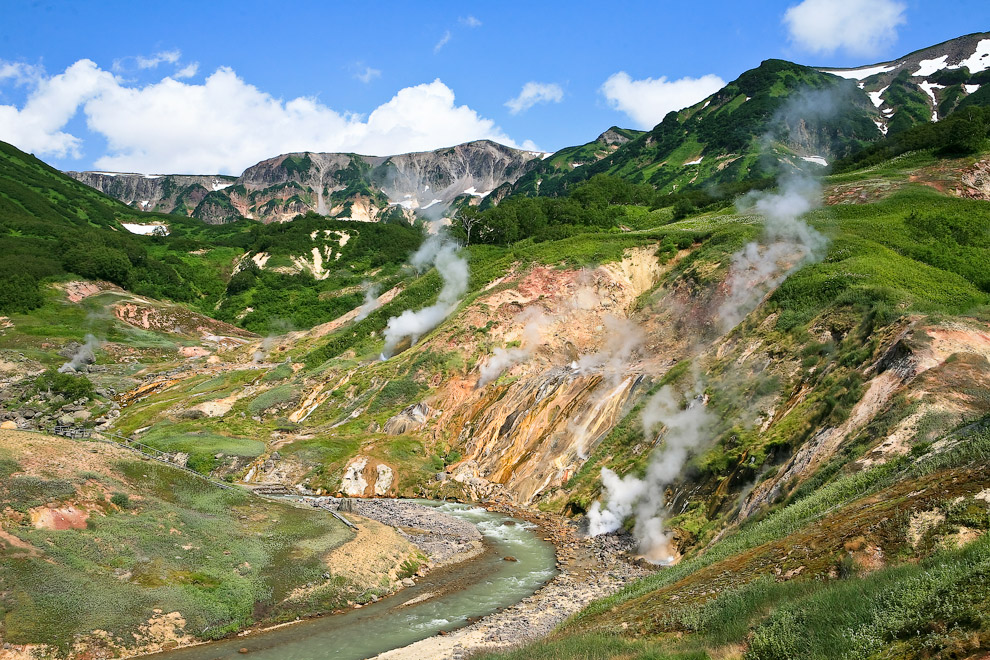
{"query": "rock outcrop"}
pixel 345 186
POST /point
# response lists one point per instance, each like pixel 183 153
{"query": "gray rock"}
pixel 410 419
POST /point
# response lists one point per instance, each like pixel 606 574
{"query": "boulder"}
pixel 384 481
pixel 410 419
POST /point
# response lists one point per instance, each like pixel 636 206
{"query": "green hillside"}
pixel 722 138
pixel 53 228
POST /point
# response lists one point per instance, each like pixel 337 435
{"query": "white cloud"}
pixel 142 62
pixel 20 73
pixel 188 71
pixel 366 74
pixel 37 127
pixel 859 27
pixel 647 101
pixel 533 93
pixel 443 41
pixel 168 56
pixel 225 124
pixel 471 21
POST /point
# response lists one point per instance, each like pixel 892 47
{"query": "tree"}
pixel 467 218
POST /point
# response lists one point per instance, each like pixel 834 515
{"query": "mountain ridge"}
pixel 343 185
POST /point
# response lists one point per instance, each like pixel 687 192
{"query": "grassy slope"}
pixel 910 251
pixel 732 597
pixel 222 559
pixel 725 129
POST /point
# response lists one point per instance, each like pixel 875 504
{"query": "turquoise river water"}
pixel 473 589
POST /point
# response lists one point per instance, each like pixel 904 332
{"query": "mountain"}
pixel 785 403
pixel 51 226
pixel 345 186
pixel 779 114
pixel 928 84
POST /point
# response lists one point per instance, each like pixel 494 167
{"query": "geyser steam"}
pixel 85 354
pixel 370 303
pixel 787 243
pixel 504 358
pixel 439 251
pixel 686 429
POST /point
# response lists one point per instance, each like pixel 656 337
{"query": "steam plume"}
pixel 788 243
pixel 623 339
pixel 686 430
pixel 439 251
pixel 85 354
pixel 370 303
pixel 505 358
pixel 277 327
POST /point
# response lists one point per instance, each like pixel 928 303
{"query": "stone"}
pixel 410 419
pixel 384 480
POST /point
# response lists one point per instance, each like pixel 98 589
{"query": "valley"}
pixel 730 401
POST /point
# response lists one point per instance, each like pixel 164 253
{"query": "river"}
pixel 484 585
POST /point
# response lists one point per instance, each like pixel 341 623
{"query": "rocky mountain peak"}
pixel 343 185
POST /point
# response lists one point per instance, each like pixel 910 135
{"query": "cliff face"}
pixel 345 186
pixel 162 193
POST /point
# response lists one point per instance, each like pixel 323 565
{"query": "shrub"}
pixel 19 293
pixel 397 392
pixel 70 387
pixel 120 500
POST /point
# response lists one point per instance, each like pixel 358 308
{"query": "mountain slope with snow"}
pixel 345 186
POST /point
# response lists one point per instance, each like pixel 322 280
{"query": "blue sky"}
pixel 309 75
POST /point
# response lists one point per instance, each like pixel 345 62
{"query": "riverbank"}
pixel 443 539
pixel 444 599
pixel 589 569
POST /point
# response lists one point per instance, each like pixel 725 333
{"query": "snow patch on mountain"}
pixel 859 74
pixel 929 88
pixel 928 67
pixel 875 96
pixel 980 59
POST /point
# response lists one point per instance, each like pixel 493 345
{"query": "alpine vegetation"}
pixel 441 252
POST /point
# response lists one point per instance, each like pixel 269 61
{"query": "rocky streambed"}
pixel 588 569
pixel 442 537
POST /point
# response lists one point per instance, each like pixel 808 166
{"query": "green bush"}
pixel 19 293
pixel 121 500
pixel 397 392
pixel 70 387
